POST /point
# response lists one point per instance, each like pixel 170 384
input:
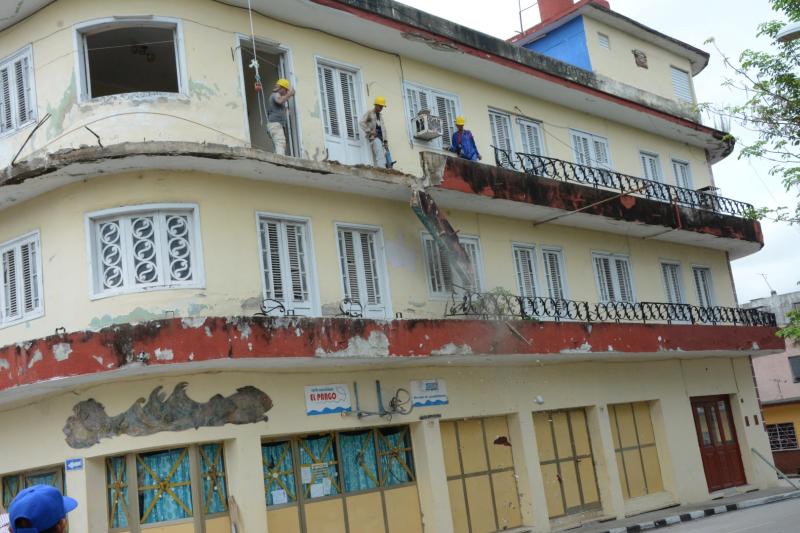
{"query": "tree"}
pixel 792 329
pixel 770 83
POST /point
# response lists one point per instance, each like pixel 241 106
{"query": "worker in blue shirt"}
pixel 463 143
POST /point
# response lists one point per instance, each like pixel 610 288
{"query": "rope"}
pixel 259 87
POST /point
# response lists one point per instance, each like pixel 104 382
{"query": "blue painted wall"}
pixel 566 43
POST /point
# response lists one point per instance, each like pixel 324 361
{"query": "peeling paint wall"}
pixel 212 109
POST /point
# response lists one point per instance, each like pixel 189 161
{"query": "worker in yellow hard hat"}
pixel 278 115
pixel 463 143
pixel 375 130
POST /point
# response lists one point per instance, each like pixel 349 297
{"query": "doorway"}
pixel 341 97
pixel 273 64
pixel 719 448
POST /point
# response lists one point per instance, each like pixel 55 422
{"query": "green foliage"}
pixel 792 329
pixel 770 82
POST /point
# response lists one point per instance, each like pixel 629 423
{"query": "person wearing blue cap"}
pixel 40 509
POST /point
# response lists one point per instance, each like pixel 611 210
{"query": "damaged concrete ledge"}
pixel 184 345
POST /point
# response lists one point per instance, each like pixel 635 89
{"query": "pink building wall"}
pixel 774 375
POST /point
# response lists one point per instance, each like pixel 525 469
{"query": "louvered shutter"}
pixel 681 172
pixel 531 137
pixel 347 82
pixel 702 283
pixel 671 275
pixel 501 130
pixel 433 265
pixel 554 274
pixel 417 101
pixel 270 248
pixel 601 157
pixel 605 281
pixel 370 261
pixel 581 146
pixel 446 110
pixel 296 259
pixel 682 85
pixel 23 85
pixel 6 116
pixel 327 92
pixel 10 286
pixel 473 251
pixel 347 256
pixel 624 285
pixel 650 166
pixel 30 277
pixel 526 273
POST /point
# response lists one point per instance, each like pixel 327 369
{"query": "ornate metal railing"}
pixel 511 306
pixel 548 167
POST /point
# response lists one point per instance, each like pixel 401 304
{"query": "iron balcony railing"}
pixel 548 167
pixel 511 306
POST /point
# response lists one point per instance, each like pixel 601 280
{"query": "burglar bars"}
pixel 549 167
pixel 506 305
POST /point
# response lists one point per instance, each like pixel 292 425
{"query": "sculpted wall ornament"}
pixel 158 413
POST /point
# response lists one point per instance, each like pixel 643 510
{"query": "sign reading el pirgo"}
pixel 327 399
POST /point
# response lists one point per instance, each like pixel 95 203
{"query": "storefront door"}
pixel 719 448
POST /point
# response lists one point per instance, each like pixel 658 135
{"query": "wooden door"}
pixel 719 448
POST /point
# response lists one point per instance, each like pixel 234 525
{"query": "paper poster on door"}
pixel 428 392
pixel 327 399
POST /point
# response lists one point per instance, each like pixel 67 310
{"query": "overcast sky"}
pixel 733 24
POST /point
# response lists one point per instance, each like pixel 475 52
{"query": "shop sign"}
pixel 428 392
pixel 327 399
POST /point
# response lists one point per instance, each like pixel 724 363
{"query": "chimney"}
pixel 553 9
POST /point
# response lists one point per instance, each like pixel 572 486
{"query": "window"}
pixel 782 436
pixel 158 486
pixel 680 170
pixel 440 276
pixel 651 166
pixel 22 281
pixel 286 263
pixel 682 85
pixel 501 131
pixel 704 286
pixel 370 471
pixel 17 101
pixel 613 273
pixel 603 40
pixel 671 274
pixel 554 273
pixel 131 57
pixel 525 267
pixel 635 447
pixel 590 150
pixel 362 269
pixel 146 247
pixel 443 105
pixel 13 483
pixel 339 97
pixel 794 365
pixel 531 134
pixel 796 306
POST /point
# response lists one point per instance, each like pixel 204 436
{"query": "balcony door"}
pixel 719 448
pixel 340 97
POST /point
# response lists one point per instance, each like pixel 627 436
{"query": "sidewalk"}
pixel 686 513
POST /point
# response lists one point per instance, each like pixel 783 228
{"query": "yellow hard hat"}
pixel 283 82
pixel 459 121
pixel 380 100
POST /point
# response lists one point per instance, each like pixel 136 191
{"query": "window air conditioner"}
pixel 426 126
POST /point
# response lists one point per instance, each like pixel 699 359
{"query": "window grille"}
pixel 782 436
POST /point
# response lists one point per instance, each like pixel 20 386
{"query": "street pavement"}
pixel 781 517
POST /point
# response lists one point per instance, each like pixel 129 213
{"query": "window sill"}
pixel 26 318
pixel 17 129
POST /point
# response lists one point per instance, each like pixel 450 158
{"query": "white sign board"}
pixel 327 399
pixel 428 392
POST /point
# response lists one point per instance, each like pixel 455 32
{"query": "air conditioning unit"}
pixel 426 126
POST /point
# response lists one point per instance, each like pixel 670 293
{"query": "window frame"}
pixel 13 244
pixel 712 293
pixel 57 469
pixel 432 92
pixel 562 265
pixel 657 161
pixel 692 96
pixel 533 249
pixel 592 138
pixel 91 220
pixel 680 288
pixel 311 266
pixel 512 142
pixel 8 61
pixel 82 30
pixel 520 121
pixel 613 257
pixel 438 295
pixel 689 176
pixel 383 270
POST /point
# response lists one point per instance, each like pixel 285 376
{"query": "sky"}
pixel 733 25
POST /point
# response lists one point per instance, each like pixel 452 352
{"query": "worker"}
pixel 373 126
pixel 463 143
pixel 278 115
pixel 40 508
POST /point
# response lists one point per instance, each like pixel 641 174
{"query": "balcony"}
pixel 547 190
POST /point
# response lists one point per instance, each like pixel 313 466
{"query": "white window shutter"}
pixel 650 166
pixel 6 115
pixel 297 268
pixel 370 262
pixel 434 265
pixel 526 272
pixel 347 82
pixel 417 100
pixel 605 281
pixel 581 147
pixel 672 285
pixel 473 251
pixel 624 284
pixel 681 172
pixel 501 130
pixel 328 100
pixel 601 157
pixel 270 249
pixel 23 88
pixel 703 285
pixel 682 85
pixel 30 277
pixel 554 274
pixel 11 309
pixel 347 256
pixel 531 137
pixel 446 110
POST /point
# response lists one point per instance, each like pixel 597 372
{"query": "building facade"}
pixel 778 380
pixel 197 331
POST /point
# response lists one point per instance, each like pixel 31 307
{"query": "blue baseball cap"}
pixel 42 505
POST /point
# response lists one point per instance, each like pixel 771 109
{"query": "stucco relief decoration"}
pixel 158 413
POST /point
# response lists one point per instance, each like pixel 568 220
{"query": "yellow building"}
pixel 196 330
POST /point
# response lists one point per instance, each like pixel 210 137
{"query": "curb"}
pixel 702 513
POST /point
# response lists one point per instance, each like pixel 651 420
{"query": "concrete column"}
pixel 246 481
pixel 605 461
pixel 434 497
pixel 87 486
pixel 530 483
